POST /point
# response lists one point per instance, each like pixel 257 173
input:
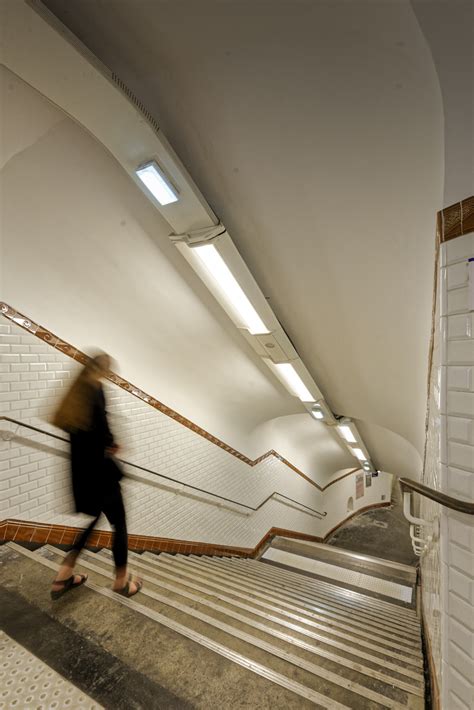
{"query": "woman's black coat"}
pixel 90 467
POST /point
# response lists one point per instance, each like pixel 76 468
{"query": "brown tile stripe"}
pixel 456 219
pixel 24 531
pixel 55 342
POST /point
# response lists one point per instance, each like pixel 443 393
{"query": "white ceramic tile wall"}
pixel 457 476
pixel 35 483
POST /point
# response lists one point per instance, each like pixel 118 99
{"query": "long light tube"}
pixel 359 454
pixel 294 382
pixel 221 273
pixel 154 179
pixel 346 432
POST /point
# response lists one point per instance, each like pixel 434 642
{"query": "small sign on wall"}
pixel 368 480
pixel 360 485
pixel 470 278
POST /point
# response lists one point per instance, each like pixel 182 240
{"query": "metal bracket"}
pixel 197 237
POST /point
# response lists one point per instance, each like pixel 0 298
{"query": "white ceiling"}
pixel 315 131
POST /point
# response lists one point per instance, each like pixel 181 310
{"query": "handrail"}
pixel 461 506
pixel 174 480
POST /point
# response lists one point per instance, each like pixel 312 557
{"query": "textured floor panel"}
pixel 29 684
pixel 341 574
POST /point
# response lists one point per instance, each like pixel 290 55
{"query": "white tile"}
pixel 461 430
pixel 457 275
pixel 460 378
pixel 460 483
pixel 460 455
pixel 460 352
pixel 460 248
pixel 461 403
pixel 458 300
pixel 460 326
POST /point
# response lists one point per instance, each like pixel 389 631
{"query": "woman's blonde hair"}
pixel 75 410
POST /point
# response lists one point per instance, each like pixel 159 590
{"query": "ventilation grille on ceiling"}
pixel 136 102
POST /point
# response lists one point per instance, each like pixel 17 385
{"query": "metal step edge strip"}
pixel 267 599
pixel 304 584
pixel 156 579
pixel 326 587
pixel 218 648
pixel 342 552
pixel 307 666
pixel 395 626
pixel 189 579
pixel 366 609
pixel 346 615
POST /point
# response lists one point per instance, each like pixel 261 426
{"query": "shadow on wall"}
pixel 383 532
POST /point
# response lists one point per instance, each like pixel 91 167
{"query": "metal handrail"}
pixel 174 480
pixel 461 506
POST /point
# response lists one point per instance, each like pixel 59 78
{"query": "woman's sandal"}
pixel 67 584
pixel 125 591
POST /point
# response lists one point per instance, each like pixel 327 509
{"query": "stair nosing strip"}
pixel 415 657
pixel 416 676
pixel 306 586
pixel 220 649
pixel 413 649
pixel 377 627
pixel 312 668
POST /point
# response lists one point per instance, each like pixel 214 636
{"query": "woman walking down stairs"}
pixel 209 632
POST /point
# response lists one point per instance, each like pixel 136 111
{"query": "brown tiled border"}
pixel 55 342
pixel 43 533
pixel 456 220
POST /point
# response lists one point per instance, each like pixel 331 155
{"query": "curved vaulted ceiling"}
pixel 315 131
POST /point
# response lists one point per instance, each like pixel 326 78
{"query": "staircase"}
pixel 226 633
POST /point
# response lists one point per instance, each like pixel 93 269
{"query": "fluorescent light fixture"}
pixel 154 179
pixel 346 432
pixel 221 273
pixel 294 381
pixel 317 412
pixel 359 454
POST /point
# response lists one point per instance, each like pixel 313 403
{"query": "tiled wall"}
pixel 35 483
pixel 457 473
pixel 448 565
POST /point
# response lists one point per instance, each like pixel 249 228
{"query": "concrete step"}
pixel 316 678
pixel 311 615
pixel 335 674
pixel 195 670
pixel 405 638
pixel 392 614
pixel 377 665
pixel 333 589
pixel 354 580
pixel 259 608
pixel 375 566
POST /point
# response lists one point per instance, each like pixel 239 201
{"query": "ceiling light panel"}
pixel 155 181
pixel 230 288
pixel 359 454
pixel 294 382
pixel 347 433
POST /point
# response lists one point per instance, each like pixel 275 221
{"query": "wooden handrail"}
pixel 461 506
